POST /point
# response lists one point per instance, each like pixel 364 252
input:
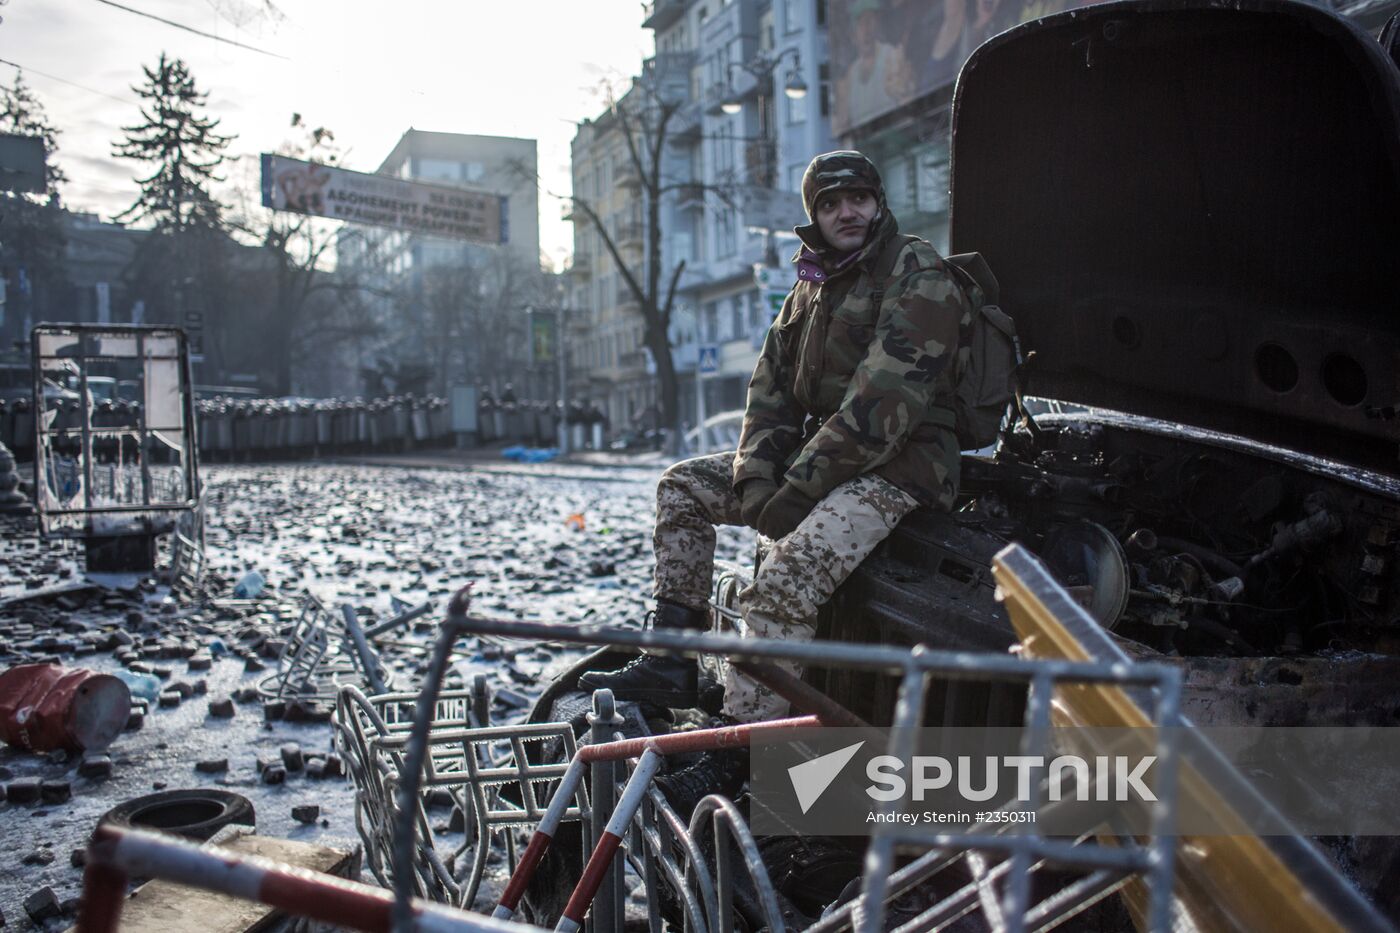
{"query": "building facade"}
pixel 608 365
pixel 750 78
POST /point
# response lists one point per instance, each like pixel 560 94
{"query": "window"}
pixel 898 184
pixel 710 322
pixel 755 309
pixel 821 12
pixel 794 176
pixel 724 232
pixel 736 318
pixel 824 80
pixel 796 110
pixel 791 21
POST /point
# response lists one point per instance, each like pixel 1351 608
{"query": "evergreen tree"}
pixel 182 145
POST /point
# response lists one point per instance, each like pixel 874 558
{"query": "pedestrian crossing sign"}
pixel 709 358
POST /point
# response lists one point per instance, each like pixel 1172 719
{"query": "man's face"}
pixel 844 217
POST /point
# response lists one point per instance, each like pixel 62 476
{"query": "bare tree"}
pixel 644 117
pixel 474 312
pixel 311 308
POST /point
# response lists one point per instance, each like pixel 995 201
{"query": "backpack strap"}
pixel 884 268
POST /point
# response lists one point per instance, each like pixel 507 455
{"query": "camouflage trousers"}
pixel 799 574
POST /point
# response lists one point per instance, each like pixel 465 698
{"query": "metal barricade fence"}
pixel 398 746
pixel 1150 859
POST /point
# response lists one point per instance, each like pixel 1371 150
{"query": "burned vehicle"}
pixel 1197 255
pixel 1191 211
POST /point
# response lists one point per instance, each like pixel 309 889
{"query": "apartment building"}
pixel 750 77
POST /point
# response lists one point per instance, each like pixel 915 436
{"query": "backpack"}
pixel 985 383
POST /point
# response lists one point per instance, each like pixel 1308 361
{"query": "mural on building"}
pixel 886 53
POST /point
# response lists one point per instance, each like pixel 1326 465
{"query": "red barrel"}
pixel 45 706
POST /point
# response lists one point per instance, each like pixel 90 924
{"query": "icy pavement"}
pixel 554 544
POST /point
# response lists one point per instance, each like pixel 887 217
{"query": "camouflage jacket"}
pixel 843 388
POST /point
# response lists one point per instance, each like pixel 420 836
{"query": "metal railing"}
pixel 1150 859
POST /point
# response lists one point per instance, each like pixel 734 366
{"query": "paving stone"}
pixel 135 720
pixel 221 709
pixel 43 905
pixel 212 766
pixel 170 698
pixel 24 790
pixel 274 774
pixel 309 813
pixel 39 857
pixel 306 711
pixel 56 791
pixel 77 858
pixel 292 757
pixel 95 767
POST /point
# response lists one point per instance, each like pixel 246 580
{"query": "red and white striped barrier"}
pixel 650 749
pixel 115 854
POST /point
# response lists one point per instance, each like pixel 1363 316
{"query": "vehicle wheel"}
pixel 194 814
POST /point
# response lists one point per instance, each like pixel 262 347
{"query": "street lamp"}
pixel 762 68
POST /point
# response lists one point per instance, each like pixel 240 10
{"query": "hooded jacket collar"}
pixel 817 262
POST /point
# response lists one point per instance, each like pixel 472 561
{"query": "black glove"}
pixel 784 512
pixel 753 496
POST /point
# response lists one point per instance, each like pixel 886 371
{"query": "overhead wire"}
pixel 81 87
pixel 198 32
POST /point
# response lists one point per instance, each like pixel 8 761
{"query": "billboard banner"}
pixel 886 53
pixel 411 206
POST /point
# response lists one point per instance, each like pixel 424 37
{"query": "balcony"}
pixel 715 95
pixel 673 65
pixel 582 266
pixel 662 14
pixel 630 233
pixel 627 176
pixel 760 162
pixel 633 360
pixel 684 128
pixel 690 197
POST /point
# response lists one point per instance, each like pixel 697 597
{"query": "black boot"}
pixel 720 771
pixel 668 682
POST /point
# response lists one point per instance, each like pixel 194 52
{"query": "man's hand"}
pixel 753 496
pixel 784 512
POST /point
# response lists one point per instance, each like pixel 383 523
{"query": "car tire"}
pixel 193 814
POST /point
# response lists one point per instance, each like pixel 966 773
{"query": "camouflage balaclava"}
pixel 835 171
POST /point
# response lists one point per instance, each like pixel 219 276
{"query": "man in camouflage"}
pixel 848 426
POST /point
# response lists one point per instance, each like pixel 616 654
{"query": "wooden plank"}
pixel 162 907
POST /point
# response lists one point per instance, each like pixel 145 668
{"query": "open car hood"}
pixel 1193 210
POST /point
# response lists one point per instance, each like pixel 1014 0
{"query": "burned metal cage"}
pixel 114 432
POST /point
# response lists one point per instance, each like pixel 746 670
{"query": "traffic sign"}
pixel 709 358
